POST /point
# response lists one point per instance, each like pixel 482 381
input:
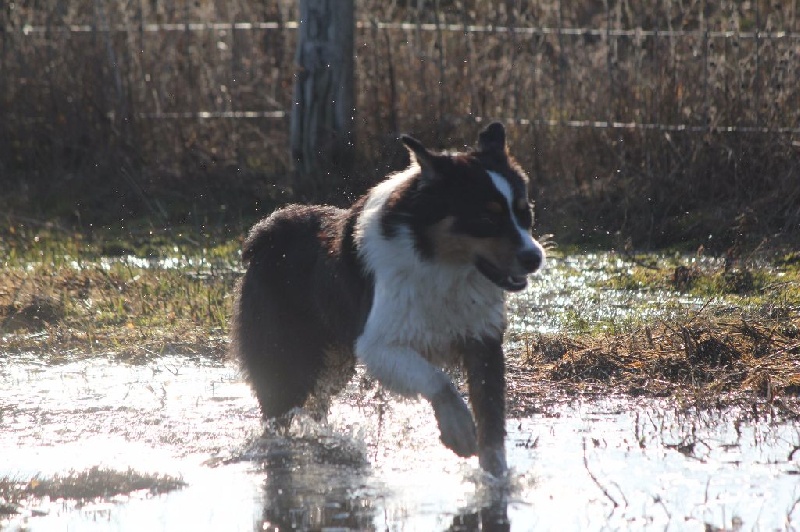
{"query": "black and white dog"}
pixel 408 281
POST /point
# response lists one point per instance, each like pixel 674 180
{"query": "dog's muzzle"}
pixel 527 261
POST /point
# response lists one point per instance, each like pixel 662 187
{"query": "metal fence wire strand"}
pixel 167 76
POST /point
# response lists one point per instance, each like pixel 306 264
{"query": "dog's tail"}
pixel 268 333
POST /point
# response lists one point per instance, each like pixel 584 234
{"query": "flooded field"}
pixel 600 462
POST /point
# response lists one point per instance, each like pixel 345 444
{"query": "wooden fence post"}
pixel 323 100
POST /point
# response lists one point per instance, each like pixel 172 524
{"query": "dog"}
pixel 409 281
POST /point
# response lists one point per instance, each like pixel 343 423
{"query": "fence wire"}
pixel 410 26
pixel 181 79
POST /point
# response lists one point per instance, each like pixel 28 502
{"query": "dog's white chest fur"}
pixel 425 305
pixel 430 308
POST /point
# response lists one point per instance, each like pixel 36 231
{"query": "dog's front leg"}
pixel 404 371
pixel 486 379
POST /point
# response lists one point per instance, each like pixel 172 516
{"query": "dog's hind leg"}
pixel 339 368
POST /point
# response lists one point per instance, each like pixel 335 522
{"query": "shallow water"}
pixel 611 463
pixel 570 290
pixel 378 464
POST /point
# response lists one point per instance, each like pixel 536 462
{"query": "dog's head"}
pixel 478 209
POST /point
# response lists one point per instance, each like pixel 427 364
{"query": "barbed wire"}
pixel 603 124
pixel 205 115
pixel 577 124
pixel 29 29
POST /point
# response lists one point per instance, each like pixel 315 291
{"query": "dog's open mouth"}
pixel 512 283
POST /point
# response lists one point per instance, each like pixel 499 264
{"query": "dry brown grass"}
pixel 711 361
pixel 62 309
pixel 78 138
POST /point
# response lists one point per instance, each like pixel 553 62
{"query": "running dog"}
pixel 409 281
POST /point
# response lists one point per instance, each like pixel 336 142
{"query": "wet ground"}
pixel 577 464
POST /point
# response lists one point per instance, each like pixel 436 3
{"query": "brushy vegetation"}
pixel 91 484
pixel 707 358
pixel 105 127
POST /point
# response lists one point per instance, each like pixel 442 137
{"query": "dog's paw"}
pixel 455 423
pixel 493 460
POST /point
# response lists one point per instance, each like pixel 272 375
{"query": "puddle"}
pixel 378 465
pixel 571 289
pixel 616 463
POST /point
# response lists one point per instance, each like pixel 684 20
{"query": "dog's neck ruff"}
pixel 420 300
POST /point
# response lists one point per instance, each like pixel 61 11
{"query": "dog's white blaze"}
pixel 421 309
pixel 502 186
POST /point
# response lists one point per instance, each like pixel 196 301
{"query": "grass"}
pixel 90 484
pixel 705 358
pixel 60 297
pixel 704 277
pixel 743 342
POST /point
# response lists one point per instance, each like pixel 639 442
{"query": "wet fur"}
pixel 302 297
pixel 409 281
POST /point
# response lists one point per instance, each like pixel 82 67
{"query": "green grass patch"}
pixel 708 279
pixel 61 291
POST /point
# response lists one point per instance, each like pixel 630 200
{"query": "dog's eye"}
pixel 523 212
pixel 493 208
pixel 488 219
pixel 491 213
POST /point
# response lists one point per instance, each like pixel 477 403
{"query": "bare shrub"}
pixel 661 122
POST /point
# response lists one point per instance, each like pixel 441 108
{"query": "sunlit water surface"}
pixel 615 463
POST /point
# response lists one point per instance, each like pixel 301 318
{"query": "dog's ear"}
pixel 429 162
pixel 492 140
pixel 419 152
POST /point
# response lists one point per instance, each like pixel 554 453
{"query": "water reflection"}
pixel 379 464
pixel 318 477
pixel 493 517
pixel 573 290
pixel 314 483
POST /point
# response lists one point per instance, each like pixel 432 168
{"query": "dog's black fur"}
pixel 307 303
pixel 303 292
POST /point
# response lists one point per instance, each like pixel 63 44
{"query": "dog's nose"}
pixel 530 259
